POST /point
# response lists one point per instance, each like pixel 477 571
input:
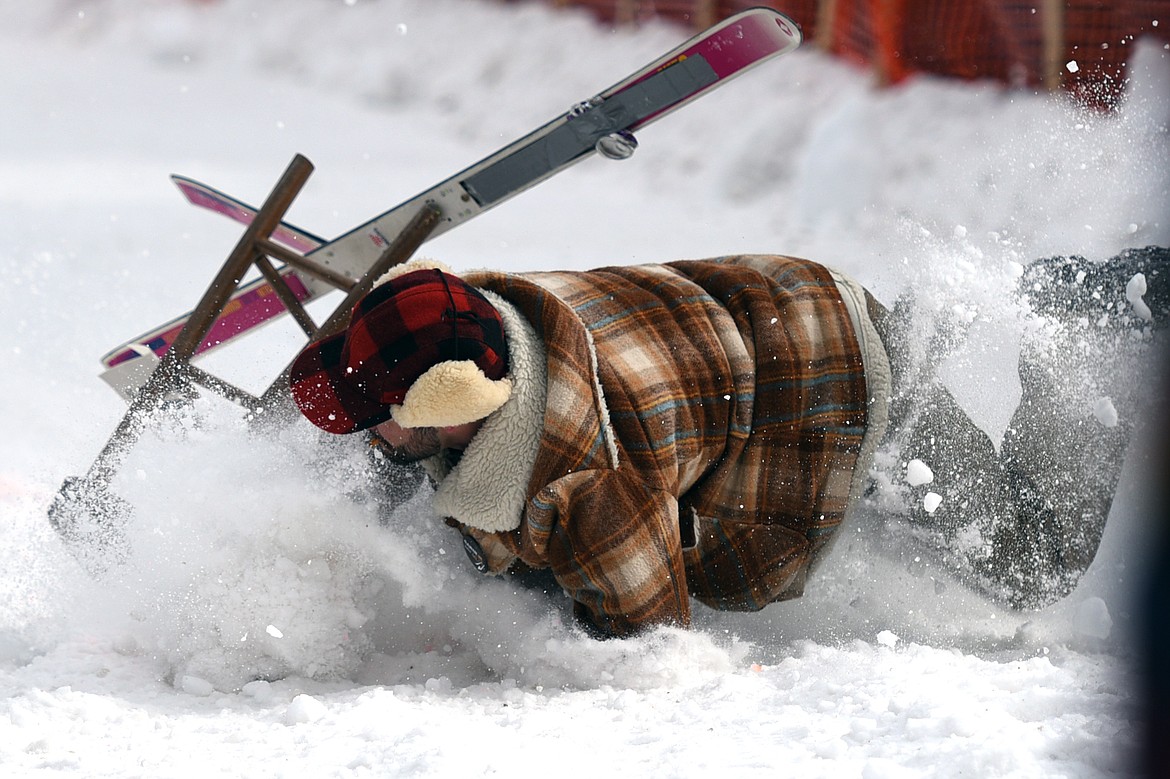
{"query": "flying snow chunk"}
pixel 918 473
pixel 259 689
pixel 1105 413
pixel 274 631
pixel 1092 618
pixel 304 709
pixel 193 685
pixel 931 501
pixel 1072 66
pixel 887 638
pixel 1134 289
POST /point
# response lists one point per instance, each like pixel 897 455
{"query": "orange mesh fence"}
pixel 1016 42
pixel 1099 37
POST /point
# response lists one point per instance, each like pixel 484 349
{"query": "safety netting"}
pixel 1080 46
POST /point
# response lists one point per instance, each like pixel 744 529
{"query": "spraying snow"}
pixel 271 619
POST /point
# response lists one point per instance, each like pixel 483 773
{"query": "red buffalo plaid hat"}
pixel 422 347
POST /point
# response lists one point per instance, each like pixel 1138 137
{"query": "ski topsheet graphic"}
pixel 604 123
pixel 252 305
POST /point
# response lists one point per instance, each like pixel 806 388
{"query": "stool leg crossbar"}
pixel 85 512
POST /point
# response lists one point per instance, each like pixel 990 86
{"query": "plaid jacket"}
pixel 702 424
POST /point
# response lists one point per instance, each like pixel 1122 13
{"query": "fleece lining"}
pixel 487 488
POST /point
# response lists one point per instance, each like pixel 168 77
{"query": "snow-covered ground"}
pixel 266 625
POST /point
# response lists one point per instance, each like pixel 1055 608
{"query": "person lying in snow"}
pixel 701 429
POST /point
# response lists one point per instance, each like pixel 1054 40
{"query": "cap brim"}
pixel 324 393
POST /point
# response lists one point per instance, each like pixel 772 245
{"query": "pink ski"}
pixel 604 123
pixel 252 305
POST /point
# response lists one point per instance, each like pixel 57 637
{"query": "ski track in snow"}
pixel 267 624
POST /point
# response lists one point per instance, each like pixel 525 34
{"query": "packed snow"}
pixel 268 624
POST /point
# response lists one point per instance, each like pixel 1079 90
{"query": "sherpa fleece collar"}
pixel 487 488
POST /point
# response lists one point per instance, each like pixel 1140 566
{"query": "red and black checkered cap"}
pixel 401 329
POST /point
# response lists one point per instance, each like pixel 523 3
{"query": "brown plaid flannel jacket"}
pixel 703 423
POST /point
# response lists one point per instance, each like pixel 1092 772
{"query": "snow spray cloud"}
pixel 258 556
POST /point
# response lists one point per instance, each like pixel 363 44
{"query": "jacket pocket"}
pixel 743 566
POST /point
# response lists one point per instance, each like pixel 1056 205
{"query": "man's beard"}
pixel 423 443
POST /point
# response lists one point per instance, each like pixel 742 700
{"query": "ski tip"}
pixel 784 29
pixel 188 186
pixel 790 29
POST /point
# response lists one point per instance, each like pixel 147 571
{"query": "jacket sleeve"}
pixel 613 544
